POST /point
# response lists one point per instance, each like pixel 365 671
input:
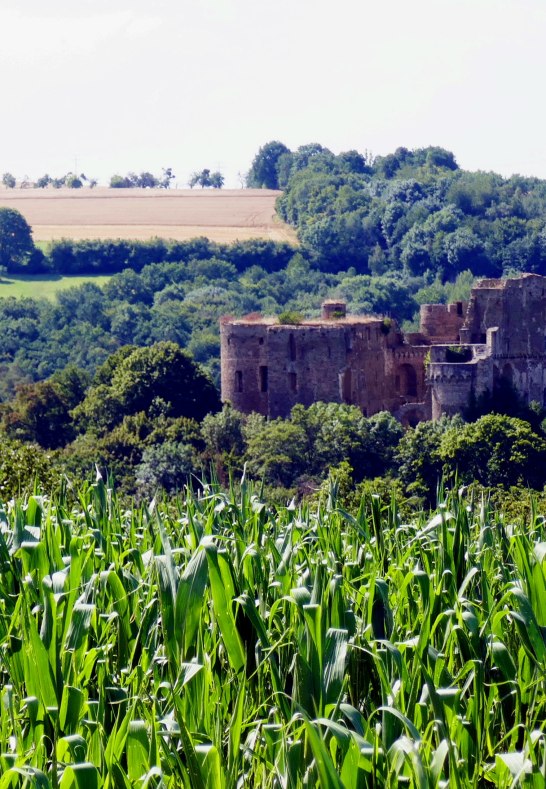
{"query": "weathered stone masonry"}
pixel 366 361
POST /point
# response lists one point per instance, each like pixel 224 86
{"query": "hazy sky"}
pixel 106 86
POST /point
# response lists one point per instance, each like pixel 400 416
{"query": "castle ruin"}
pixel 462 350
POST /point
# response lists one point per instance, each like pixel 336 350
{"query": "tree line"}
pixel 144 180
pixel 410 211
pixel 150 418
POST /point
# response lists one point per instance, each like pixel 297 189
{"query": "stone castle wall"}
pixel 243 355
pixel 442 322
pixel 461 350
pixel 269 367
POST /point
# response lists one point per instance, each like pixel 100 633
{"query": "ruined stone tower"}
pixel 501 339
pixel 268 367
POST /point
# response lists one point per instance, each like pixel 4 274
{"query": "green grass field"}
pixel 43 287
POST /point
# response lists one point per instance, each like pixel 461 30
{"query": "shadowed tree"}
pixel 16 245
pixel 161 376
pixel 263 173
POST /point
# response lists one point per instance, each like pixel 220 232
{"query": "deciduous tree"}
pixel 263 173
pixel 16 245
pixel 9 180
pixel 144 379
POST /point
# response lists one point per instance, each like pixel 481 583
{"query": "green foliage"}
pixel 458 354
pixel 16 245
pixel 419 460
pixel 166 466
pixel 205 179
pixel 73 181
pixel 414 210
pixel 290 318
pixel 221 643
pixel 223 435
pixel 275 449
pixel 315 439
pixel 144 180
pixel 41 412
pixel 263 173
pixel 161 379
pixel 9 181
pixel 495 450
pixel 23 467
pixel 42 182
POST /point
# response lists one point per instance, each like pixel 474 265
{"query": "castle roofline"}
pixel 270 320
pixel 508 282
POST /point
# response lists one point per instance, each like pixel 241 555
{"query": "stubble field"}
pixel 220 215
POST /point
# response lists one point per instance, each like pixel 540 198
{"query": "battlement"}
pixel 442 322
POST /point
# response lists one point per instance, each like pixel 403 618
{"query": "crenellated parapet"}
pixel 442 322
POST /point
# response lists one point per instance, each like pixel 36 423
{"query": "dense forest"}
pixel 385 234
pixel 411 211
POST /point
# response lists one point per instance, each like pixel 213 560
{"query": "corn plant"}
pixel 218 642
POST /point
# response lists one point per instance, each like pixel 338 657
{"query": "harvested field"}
pixel 221 215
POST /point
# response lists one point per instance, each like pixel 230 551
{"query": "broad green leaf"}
pixel 80 776
pixel 222 609
pixel 328 776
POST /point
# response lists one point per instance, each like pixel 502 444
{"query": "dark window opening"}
pixel 347 386
pixel 459 308
pixel 406 380
pixel 508 374
pixel 292 347
pixel 263 379
pixel 238 381
pixel 293 382
pixel 261 341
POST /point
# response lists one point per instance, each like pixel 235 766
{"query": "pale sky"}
pixel 109 86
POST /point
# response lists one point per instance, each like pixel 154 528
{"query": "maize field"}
pixel 216 642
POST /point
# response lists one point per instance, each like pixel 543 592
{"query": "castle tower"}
pixel 244 365
pixel 332 309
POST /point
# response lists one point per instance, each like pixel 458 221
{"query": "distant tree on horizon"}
pixel 264 170
pixel 206 179
pixel 9 180
pixel 143 180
